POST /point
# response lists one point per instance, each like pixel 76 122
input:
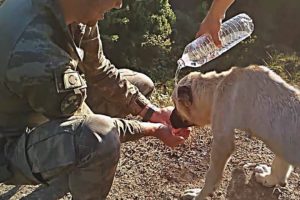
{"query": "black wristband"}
pixel 148 114
pixel 142 102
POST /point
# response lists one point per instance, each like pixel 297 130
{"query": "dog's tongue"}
pixel 176 120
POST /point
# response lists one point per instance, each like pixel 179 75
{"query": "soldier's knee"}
pixel 56 146
pixel 140 80
pixel 143 83
pixel 98 138
pixel 147 85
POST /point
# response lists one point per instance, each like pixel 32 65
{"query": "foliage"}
pixel 276 23
pixel 287 65
pixel 150 35
pixel 138 33
pixel 146 35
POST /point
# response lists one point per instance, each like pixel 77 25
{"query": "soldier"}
pixel 52 63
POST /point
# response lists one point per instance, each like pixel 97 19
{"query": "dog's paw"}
pixel 190 194
pixel 263 170
pixel 263 175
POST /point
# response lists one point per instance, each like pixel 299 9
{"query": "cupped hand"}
pixel 168 137
pixel 162 115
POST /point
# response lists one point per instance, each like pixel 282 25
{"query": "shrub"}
pixel 138 35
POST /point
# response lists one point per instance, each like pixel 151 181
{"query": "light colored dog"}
pixel 254 99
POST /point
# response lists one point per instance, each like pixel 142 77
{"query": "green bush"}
pixel 287 65
pixel 138 35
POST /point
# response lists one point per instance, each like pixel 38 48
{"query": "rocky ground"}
pixel 148 170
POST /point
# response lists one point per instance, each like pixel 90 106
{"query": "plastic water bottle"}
pixel 203 49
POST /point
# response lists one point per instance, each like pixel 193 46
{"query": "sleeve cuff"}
pixel 138 104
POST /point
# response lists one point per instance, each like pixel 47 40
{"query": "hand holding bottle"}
pixel 203 49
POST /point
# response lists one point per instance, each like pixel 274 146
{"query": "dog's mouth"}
pixel 177 121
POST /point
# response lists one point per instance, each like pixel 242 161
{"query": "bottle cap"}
pixel 180 63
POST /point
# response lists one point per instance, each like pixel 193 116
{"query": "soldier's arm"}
pixel 218 8
pixel 106 77
pixel 48 92
pixel 42 75
pixel 44 80
pixel 157 130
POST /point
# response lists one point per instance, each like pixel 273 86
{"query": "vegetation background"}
pixel 150 35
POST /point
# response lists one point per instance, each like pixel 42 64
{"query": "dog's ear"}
pixel 184 95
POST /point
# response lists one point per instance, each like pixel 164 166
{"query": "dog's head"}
pixel 185 100
pixel 192 97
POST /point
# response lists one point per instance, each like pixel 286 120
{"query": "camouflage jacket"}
pixel 42 61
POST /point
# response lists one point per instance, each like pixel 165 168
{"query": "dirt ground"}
pixel 149 170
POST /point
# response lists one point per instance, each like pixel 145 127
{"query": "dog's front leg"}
pixel 222 148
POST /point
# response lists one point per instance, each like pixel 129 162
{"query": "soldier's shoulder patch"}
pixel 68 80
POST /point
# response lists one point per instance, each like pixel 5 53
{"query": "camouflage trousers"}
pixel 77 155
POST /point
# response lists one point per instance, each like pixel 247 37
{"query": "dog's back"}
pixel 268 107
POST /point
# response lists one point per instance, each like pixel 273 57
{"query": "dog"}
pixel 254 99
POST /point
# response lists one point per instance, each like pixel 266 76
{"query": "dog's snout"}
pixel 177 121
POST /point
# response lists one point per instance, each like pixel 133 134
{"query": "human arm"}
pixel 130 130
pixel 103 77
pixel 40 73
pixel 108 81
pixel 36 81
pixel 158 115
pixel 212 22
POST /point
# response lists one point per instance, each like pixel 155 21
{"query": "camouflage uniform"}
pixel 46 129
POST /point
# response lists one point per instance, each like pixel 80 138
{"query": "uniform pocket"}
pixel 52 145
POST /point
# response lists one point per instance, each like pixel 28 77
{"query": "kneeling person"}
pixel 47 131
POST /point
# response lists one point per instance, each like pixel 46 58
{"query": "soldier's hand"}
pixel 162 115
pixel 165 133
pixel 168 137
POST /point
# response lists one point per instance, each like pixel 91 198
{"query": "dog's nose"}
pixel 177 121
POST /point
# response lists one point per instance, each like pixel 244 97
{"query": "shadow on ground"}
pixel 10 193
pixel 241 189
pixel 56 190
